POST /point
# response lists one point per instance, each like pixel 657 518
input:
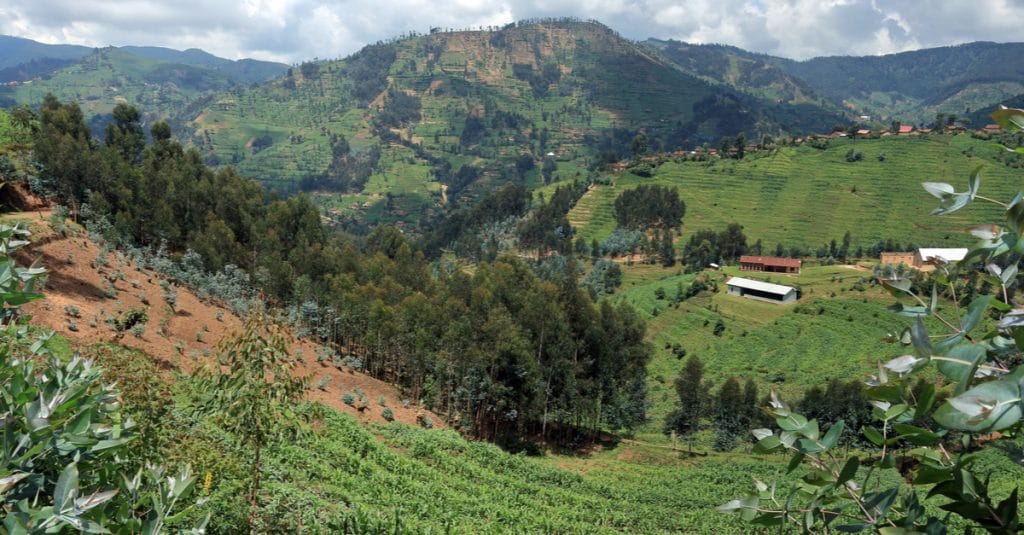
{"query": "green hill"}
pixel 16 50
pixel 108 76
pixel 913 86
pixel 803 196
pixel 505 102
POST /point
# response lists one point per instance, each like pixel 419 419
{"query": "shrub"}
pixel 72 311
pixel 387 414
pixel 348 399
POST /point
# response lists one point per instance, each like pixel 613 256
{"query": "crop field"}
pixel 835 331
pixel 805 196
pixel 438 480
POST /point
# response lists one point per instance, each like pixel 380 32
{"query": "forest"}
pixel 506 354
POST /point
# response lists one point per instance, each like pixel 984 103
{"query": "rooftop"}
pixel 949 255
pixel 751 284
pixel 770 261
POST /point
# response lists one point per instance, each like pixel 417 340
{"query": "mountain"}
pixel 914 86
pixel 15 51
pixel 429 116
pixel 159 81
pixel 243 70
pixel 756 74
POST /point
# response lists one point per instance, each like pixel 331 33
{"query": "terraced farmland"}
pixel 804 196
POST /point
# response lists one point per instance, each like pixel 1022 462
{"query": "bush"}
pixel 387 414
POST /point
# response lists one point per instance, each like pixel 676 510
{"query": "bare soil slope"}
pixel 85 289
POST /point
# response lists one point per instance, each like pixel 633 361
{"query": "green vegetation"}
pixel 534 103
pixel 913 86
pixel 804 197
pixel 933 425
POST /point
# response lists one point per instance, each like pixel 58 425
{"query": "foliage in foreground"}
pixel 65 437
pixel 985 378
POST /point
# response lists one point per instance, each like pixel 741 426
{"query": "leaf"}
pixel 904 364
pixel 849 470
pixel 897 287
pixel 952 204
pixel 985 408
pixel 66 490
pixel 97 498
pixel 767 444
pixel 8 481
pixel 1015 215
pixel 832 436
pixel 940 190
pixel 761 433
pixel 919 336
pixel 974 312
pixel 1014 318
pixel 959 364
pixel 873 435
pixel 1009 118
pixel 924 401
pixel 916 435
pixel 986 232
pixel 974 182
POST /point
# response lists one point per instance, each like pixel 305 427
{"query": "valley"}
pixel 498 260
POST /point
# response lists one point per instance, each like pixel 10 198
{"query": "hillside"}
pixel 913 86
pixel 532 102
pixel 804 196
pixel 159 81
pixel 15 51
pixel 88 286
pixel 744 71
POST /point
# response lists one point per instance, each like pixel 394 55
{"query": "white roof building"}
pixel 764 291
pixel 948 255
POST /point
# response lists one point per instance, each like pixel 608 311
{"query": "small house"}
pixel 906 129
pixel 762 291
pixel 896 258
pixel 771 264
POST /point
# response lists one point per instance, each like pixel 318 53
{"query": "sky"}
pixel 292 31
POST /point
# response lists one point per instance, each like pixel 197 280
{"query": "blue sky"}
pixel 297 30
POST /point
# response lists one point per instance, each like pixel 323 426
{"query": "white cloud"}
pixel 296 30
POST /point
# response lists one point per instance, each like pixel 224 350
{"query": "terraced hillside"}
pixel 803 196
pixel 159 81
pixel 532 102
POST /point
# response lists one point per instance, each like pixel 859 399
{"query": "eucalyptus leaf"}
pixel 1009 118
pixel 904 364
pixel 985 408
pixel 959 364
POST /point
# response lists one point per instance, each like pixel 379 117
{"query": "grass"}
pixel 835 331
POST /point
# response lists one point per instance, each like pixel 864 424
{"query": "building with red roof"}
pixel 772 264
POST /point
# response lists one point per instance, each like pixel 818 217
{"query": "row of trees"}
pixel 734 409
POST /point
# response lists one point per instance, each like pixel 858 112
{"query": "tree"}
pixel 125 134
pixel 685 421
pixel 731 416
pixel 639 145
pixel 254 399
pixel 666 249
